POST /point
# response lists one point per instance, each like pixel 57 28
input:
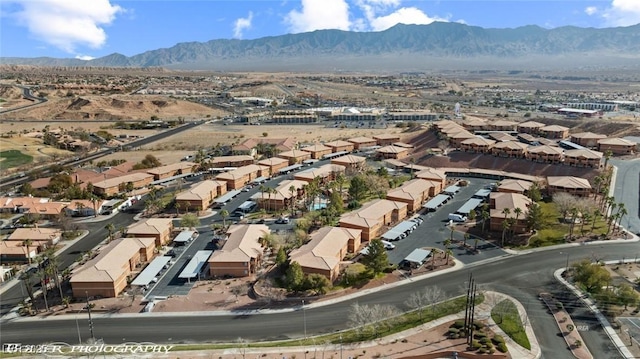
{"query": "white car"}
pixel 388 245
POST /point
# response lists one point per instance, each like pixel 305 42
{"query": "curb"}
pixel 611 333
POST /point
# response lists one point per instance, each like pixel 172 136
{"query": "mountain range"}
pixel 402 47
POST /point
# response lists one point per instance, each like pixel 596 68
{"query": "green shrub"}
pixel 476 344
pixel 479 335
pixel 492 350
pixel 458 324
pixel 454 330
pixel 498 339
pixel 485 341
pixel 502 347
pixel 477 325
pixel 482 351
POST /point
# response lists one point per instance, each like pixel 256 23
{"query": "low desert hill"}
pixel 116 107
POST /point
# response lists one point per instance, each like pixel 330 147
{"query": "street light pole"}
pixel 304 319
pixel 78 327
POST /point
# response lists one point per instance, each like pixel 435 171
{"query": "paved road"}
pixel 627 190
pixel 522 277
pixel 14 295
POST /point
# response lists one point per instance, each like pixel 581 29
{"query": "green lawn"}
pixel 403 322
pixel 505 314
pixel 13 158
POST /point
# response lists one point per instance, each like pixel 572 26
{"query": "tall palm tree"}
pixel 517 211
pixel 623 212
pixel 597 180
pixel 505 226
pixel 449 253
pixel 485 217
pixel 27 243
pixel 53 266
pixel 293 192
pixel 596 215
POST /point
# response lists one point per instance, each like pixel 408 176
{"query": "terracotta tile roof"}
pixel 35 234
pixel 150 226
pixel 411 189
pixel 324 248
pixel 112 261
pixel 515 185
pixel 241 172
pixel 242 243
pixel 568 182
pixel 616 142
pixel 200 191
pixel 584 153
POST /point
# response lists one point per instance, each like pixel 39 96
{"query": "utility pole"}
pixel 304 320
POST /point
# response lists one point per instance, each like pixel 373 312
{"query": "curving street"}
pixel 521 276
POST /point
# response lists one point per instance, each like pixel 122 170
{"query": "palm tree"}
pixel 485 217
pixel 597 180
pixel 505 226
pixel 449 253
pixel 27 243
pixel 224 214
pixel 111 229
pixel 262 190
pixel 53 265
pixel 26 281
pixel 607 157
pixel 518 212
pixel 623 212
pixel 177 206
pixel 466 238
pixel 596 215
pixel 446 243
pixel 292 191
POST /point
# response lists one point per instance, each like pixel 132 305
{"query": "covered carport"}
pixel 416 258
pixel 185 237
pixel 195 265
pixel 151 271
pixel 436 202
pixel 471 204
pixel 226 197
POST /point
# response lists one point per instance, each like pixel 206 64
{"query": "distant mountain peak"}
pixel 397 48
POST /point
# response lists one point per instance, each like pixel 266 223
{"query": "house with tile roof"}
pixel 498 201
pixel 107 275
pixel 200 195
pixel 241 253
pixel 373 216
pixel 159 229
pixel 573 185
pixel 414 193
pixel 327 247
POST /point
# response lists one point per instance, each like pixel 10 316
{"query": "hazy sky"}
pixel 94 28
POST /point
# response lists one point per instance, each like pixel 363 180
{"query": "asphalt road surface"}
pixel 522 277
pixel 627 190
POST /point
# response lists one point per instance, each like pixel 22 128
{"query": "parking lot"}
pixel 435 229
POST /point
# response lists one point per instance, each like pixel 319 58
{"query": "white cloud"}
pixel 318 15
pixel 84 57
pixel 242 24
pixel 622 13
pixel 405 15
pixel 67 24
pixel 590 10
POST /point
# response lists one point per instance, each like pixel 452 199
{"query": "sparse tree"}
pixel 190 221
pixel 564 201
pixel 224 214
pixel 376 258
pixel 427 297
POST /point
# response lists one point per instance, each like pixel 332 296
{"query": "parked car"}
pixel 282 220
pixel 388 245
pixel 171 253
